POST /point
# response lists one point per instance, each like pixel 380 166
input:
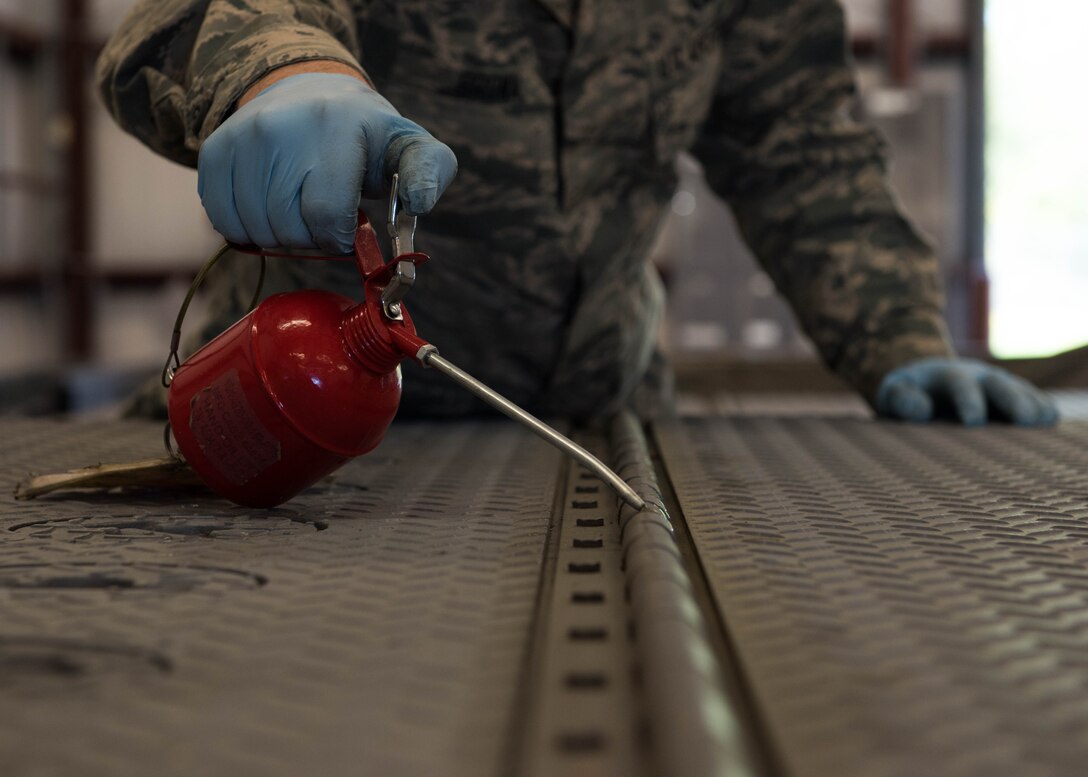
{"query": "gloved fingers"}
pixel 285 217
pixel 253 166
pixel 215 185
pixel 967 389
pixel 1048 415
pixel 289 167
pixel 426 167
pixel 1019 401
pixel 329 201
pixel 284 207
pixel 962 389
pixel 906 400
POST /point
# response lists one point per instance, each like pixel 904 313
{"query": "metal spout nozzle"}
pixel 430 358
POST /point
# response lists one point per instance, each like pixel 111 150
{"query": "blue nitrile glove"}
pixel 964 389
pixel 288 167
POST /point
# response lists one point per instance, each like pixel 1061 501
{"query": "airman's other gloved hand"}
pixel 963 389
pixel 287 168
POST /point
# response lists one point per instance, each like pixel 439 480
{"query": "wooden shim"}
pixel 149 473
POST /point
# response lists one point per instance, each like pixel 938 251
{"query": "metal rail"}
pixel 696 731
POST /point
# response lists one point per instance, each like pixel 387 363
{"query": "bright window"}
pixel 1037 175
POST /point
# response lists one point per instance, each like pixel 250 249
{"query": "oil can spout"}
pixel 429 358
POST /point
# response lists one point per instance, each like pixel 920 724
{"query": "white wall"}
pixel 25 148
pixel 867 17
pixel 28 326
pixel 38 13
pixel 145 212
pixel 147 216
pixel 29 335
pixel 106 14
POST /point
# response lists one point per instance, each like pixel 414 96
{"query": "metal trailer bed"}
pixel 816 596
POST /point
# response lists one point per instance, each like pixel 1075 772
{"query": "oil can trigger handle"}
pixel 368 254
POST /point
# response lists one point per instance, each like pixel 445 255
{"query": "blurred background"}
pixel 99 238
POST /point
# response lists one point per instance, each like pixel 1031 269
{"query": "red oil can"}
pixel 301 384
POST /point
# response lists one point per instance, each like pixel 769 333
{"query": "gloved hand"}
pixel 288 167
pixel 965 389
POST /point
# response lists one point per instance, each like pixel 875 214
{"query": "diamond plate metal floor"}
pixel 847 598
pixel 902 600
pixel 376 625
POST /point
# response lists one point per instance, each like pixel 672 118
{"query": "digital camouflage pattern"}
pixel 566 118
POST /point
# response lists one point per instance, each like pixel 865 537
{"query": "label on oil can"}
pixel 228 431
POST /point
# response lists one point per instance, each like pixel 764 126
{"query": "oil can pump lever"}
pixel 401 227
pixel 402 233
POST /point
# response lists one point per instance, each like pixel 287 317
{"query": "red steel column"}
pixel 76 271
pixel 902 51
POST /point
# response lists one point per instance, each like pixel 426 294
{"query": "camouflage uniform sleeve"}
pixel 809 188
pixel 173 70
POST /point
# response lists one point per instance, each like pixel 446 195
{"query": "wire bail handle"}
pixel 173 360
